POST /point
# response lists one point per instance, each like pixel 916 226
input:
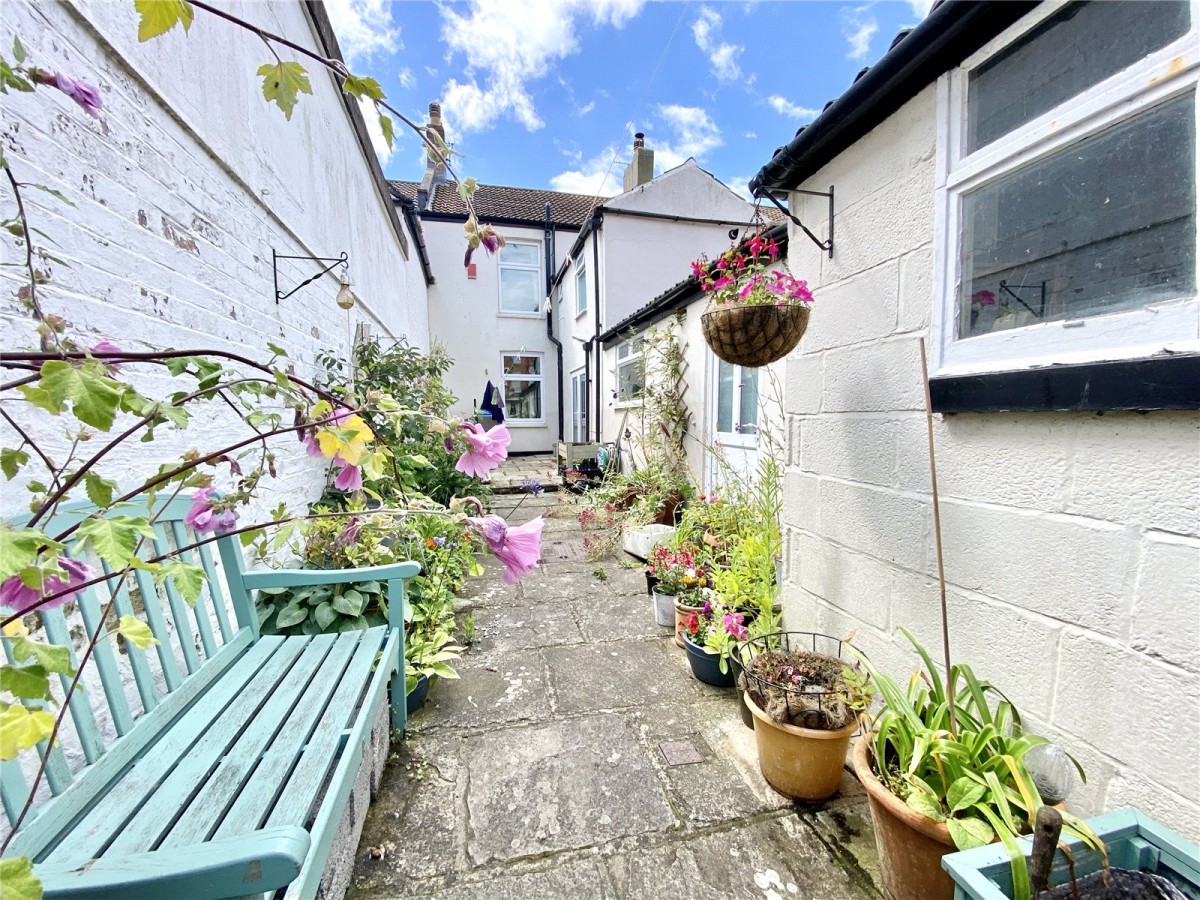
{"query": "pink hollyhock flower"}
pixel 106 347
pixel 311 446
pixel 486 450
pixel 351 532
pixel 81 92
pixel 20 598
pixel 349 478
pixel 202 517
pixel 519 548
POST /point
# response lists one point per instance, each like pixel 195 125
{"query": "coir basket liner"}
pixel 754 335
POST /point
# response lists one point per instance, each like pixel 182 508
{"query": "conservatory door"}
pixel 734 422
pixel 578 406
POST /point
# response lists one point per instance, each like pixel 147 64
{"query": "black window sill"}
pixel 1164 382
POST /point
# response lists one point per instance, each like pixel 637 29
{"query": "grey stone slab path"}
pixel 539 773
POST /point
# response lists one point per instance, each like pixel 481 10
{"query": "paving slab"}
pixel 524 627
pixel 768 860
pixel 585 879
pixel 563 785
pixel 603 617
pixel 593 677
pixel 492 689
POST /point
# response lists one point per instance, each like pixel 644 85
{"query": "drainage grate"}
pixel 680 753
pixel 562 551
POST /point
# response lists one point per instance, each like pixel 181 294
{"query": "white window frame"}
pixel 1174 325
pixel 540 378
pixel 629 353
pixel 735 438
pixel 537 269
pixel 579 415
pixel 581 272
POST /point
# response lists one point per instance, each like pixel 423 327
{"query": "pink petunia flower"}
pixel 486 450
pixel 349 478
pixel 20 598
pixel 202 517
pixel 518 548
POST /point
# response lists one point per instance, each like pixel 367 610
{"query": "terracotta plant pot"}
pixel 911 846
pixel 801 763
pixel 681 612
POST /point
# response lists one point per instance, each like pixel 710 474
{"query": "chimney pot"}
pixel 639 140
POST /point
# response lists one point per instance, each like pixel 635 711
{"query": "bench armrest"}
pixel 272 578
pixel 252 863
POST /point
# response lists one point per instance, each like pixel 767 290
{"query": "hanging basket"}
pixel 754 335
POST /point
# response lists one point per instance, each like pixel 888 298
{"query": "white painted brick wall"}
pixel 1072 541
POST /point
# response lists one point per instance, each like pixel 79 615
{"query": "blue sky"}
pixel 548 93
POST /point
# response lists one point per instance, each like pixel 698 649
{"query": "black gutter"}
pixel 549 240
pixel 409 209
pixel 949 34
pixel 598 218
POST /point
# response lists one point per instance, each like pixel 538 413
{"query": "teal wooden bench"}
pixel 235 754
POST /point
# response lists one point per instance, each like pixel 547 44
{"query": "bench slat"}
pixel 36 837
pixel 202 816
pixel 109 812
pixel 187 772
pixel 58 774
pixel 106 663
pixel 179 609
pixel 142 675
pixel 214 591
pixel 295 804
pixel 258 796
pixel 200 607
pixel 325 826
pixel 81 711
pixel 158 625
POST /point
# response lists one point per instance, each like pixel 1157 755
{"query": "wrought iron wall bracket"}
pixel 827 246
pixel 342 260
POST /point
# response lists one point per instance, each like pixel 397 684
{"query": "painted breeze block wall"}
pixel 1071 540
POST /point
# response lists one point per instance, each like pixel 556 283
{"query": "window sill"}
pixel 629 404
pixel 580 314
pixel 503 314
pixel 1164 382
pixel 525 423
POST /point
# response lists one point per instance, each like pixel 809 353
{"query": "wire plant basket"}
pixel 754 335
pixel 798 678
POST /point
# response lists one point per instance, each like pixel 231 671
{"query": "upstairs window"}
pixel 520 266
pixel 581 295
pixel 1066 194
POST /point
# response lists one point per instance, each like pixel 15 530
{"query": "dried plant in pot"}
pixel 806 695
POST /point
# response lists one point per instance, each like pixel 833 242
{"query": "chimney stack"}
pixel 641 167
pixel 435 169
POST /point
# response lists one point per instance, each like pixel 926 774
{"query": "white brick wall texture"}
pixel 1072 543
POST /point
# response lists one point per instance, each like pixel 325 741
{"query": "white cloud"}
pixel 786 107
pixel 407 79
pixel 751 135
pixel 376 132
pixel 920 8
pixel 721 55
pixel 858 27
pixel 695 134
pixel 363 28
pixel 509 45
pixel 585 109
pixel 600 176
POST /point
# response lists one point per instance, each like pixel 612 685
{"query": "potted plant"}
pixel 759 626
pixel 710 637
pixel 806 700
pixel 944 768
pixel 681 576
pixel 427 656
pixel 758 312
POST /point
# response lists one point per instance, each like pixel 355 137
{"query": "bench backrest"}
pixel 122 684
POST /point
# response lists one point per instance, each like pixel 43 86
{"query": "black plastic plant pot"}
pixel 418 695
pixel 707 666
pixel 651 584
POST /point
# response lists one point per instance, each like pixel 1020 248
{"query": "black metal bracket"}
pixel 1039 313
pixel 342 260
pixel 827 246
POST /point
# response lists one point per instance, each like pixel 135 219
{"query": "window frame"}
pixel 634 354
pixel 581 272
pixel 579 416
pixel 540 378
pixel 1174 325
pixel 737 437
pixel 536 269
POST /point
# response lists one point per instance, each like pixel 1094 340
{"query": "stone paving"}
pixel 542 468
pixel 539 774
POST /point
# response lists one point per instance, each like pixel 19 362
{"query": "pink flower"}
pixel 80 91
pixel 485 451
pixel 106 347
pixel 202 517
pixel 349 478
pixel 351 532
pixel 519 548
pixel 20 598
pixel 311 446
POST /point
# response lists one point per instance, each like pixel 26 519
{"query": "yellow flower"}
pixel 16 628
pixel 346 438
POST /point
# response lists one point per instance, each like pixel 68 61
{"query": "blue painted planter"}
pixel 418 695
pixel 1134 841
pixel 706 666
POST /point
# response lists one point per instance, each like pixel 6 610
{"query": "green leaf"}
pixel 292 614
pixel 160 16
pixel 93 394
pixel 50 657
pixel 325 615
pixel 20 729
pixel 18 50
pixel 52 192
pixel 136 632
pixel 11 462
pixel 277 350
pixel 187 578
pixel 920 802
pixel 27 682
pixel 362 86
pixel 282 83
pixel 970 833
pixel 19 547
pixel 16 874
pixel 114 538
pixel 350 603
pixel 99 490
pixel 963 793
pixel 444 670
pixel 388 128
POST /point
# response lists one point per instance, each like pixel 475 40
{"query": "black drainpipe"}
pixel 549 239
pixel 598 220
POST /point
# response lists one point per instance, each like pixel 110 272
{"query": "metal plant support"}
pixel 799 699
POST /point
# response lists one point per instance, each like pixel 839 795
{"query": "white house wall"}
pixel 1072 550
pixel 182 189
